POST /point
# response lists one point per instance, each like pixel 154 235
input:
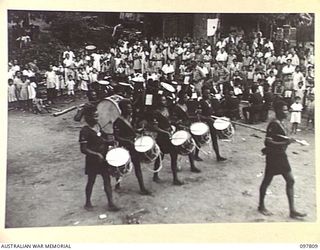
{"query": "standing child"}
pixel 300 91
pixel 32 92
pixel 24 95
pixel 310 110
pixel 12 97
pixel 84 78
pixel 296 109
pixel 70 85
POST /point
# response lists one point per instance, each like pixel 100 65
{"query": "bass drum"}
pixel 109 111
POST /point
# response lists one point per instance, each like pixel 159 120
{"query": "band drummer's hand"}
pixel 100 156
pixel 291 140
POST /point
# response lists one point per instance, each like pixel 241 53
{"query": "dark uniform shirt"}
pixel 123 128
pixel 96 142
pixel 276 158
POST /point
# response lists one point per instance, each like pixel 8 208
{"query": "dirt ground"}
pixel 46 181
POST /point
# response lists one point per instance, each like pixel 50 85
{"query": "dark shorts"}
pixel 165 144
pixel 94 167
pixel 277 164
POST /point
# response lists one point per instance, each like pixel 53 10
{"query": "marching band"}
pixel 145 119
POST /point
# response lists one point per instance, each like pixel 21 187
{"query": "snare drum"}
pixel 224 128
pixel 147 148
pixel 118 160
pixel 201 132
pixel 109 111
pixel 183 142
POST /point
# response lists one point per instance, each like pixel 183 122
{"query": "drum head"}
pixel 108 111
pixel 199 128
pixel 180 137
pixel 117 157
pixel 220 124
pixel 168 87
pixel 90 47
pixel 143 144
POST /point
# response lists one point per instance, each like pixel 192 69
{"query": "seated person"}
pixel 256 105
pixel 231 106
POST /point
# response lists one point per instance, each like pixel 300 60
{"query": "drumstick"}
pixel 240 124
pixel 301 142
pixel 64 111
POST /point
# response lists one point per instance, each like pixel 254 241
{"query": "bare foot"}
pixel 113 208
pixel 157 179
pixel 145 192
pixel 296 215
pixel 195 170
pixel 178 183
pixel 221 159
pixel 88 207
pixel 264 211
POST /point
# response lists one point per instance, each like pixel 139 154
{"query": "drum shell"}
pixel 149 155
pixel 187 147
pixel 201 138
pixel 226 133
pixel 121 169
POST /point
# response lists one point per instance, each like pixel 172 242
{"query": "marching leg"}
pixel 156 167
pixel 138 173
pixel 174 169
pixel 193 168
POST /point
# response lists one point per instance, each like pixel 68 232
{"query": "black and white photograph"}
pixel 118 118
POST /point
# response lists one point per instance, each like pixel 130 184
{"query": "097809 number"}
pixel 308 245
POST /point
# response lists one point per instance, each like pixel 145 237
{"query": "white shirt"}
pixel 269 45
pixel 11 74
pixel 71 54
pixel 67 62
pixel 295 60
pixel 297 77
pixel 70 84
pixel 167 69
pixel 28 73
pixel 221 57
pixel 220 44
pixel 32 90
pixel 204 70
pixel 93 77
pixel 288 69
pixel 271 80
pixel 15 68
pixel 51 79
pixel 282 59
pixel 296 107
pixel 275 71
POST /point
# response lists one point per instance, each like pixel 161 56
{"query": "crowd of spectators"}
pixel 237 69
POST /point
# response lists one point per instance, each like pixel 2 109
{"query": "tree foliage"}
pixel 70 28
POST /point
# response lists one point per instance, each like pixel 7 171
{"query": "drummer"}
pixel 207 110
pixel 125 134
pixel 183 121
pixel 94 145
pixel 162 125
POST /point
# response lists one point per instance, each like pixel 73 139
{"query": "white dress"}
pixel 12 93
pixel 296 112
